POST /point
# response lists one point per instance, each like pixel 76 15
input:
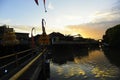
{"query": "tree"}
pixel 112 36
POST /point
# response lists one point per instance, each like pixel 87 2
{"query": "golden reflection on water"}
pixel 59 70
pixel 93 66
pixel 99 64
pixel 103 73
pixel 92 57
pixel 69 71
pixel 74 72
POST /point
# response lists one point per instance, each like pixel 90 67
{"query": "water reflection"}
pixel 82 64
pixel 65 53
pixel 113 55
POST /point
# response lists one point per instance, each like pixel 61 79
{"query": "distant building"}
pixel 9 35
pixel 22 37
pixel 4 29
pixel 56 36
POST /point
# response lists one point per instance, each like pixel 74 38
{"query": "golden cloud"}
pixel 87 30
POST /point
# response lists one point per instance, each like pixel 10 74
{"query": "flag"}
pixel 36 1
pixel 44 5
pixel 44 2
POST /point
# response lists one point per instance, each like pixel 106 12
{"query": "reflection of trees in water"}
pixel 64 53
pixel 93 66
pixel 113 55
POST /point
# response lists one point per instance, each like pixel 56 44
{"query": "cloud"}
pixel 97 27
pixel 50 6
pixel 116 6
pixel 5 21
pixel 90 26
pixel 23 28
pixel 111 15
pixel 89 30
pixel 106 16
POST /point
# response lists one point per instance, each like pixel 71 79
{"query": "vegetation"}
pixel 112 36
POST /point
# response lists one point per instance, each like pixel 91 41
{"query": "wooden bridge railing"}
pixel 11 61
pixel 26 67
pixel 20 68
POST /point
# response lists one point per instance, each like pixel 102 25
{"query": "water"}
pixel 85 64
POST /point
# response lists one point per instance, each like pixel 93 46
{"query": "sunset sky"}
pixel 90 18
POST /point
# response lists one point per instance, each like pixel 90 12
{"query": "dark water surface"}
pixel 85 64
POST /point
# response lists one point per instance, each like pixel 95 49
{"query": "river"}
pixel 85 64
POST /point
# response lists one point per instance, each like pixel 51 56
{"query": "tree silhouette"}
pixel 112 36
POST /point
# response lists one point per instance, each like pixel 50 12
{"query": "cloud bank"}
pixel 100 23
